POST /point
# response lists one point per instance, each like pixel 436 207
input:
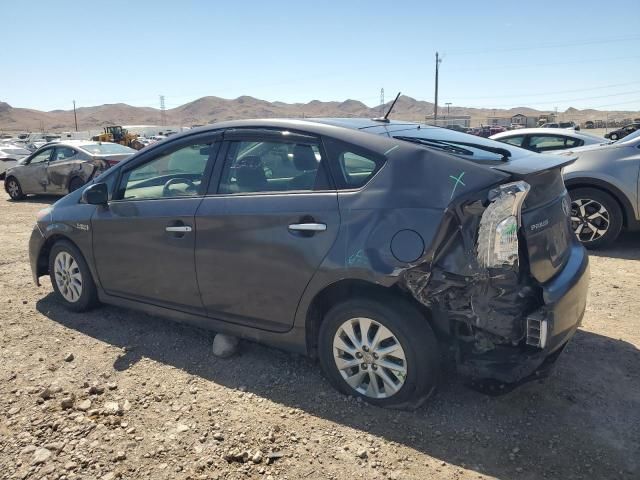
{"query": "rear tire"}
pixel 613 136
pixel 71 278
pixel 396 362
pixel 75 184
pixel 13 188
pixel 595 210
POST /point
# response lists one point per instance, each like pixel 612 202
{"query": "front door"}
pixel 144 240
pixel 34 179
pixel 269 220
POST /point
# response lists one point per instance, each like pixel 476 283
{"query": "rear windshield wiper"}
pixel 437 144
pixel 497 150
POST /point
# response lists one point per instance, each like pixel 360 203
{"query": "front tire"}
pixel 384 353
pixel 596 217
pixel 613 136
pixel 13 188
pixel 71 277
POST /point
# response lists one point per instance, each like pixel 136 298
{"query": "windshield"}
pixel 107 149
pixel 458 143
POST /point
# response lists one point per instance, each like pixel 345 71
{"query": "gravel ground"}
pixel 117 394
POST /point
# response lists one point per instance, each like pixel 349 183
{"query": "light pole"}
pixel 448 104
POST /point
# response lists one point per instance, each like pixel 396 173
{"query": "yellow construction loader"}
pixel 117 134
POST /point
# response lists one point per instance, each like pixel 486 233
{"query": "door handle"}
pixel 179 229
pixel 308 227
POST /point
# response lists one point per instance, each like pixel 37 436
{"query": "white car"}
pixel 10 155
pixel 543 140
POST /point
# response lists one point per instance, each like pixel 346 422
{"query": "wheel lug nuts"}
pixel 365 348
pixel 364 366
pixel 375 355
pixel 374 366
pixel 358 355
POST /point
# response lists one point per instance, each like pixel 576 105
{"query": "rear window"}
pixel 461 144
pixel 352 167
pixel 107 149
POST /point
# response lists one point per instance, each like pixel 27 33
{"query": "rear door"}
pixel 33 177
pixel 143 242
pixel 64 163
pixel 269 219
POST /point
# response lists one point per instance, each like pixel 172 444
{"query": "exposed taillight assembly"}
pixel 497 244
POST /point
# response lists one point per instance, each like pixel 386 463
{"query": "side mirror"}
pixel 96 194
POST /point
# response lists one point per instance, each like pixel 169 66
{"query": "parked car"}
pixel 10 155
pixel 550 125
pixel 62 167
pixel 380 248
pixel 547 139
pixel 604 184
pixel 622 132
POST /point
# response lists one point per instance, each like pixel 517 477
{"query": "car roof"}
pixel 345 129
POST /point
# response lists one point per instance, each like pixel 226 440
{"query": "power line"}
pixel 566 100
pixel 547 45
pixel 550 93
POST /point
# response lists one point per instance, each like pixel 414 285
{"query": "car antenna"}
pixel 386 117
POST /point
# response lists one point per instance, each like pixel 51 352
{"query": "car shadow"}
pixel 626 247
pixel 41 199
pixel 569 425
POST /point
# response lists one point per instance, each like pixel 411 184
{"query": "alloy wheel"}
pixel 13 189
pixel 589 219
pixel 68 277
pixel 369 357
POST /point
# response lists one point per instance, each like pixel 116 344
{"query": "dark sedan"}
pixel 381 248
pixel 63 167
pixel 622 132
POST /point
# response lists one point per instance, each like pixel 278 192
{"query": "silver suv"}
pixel 604 183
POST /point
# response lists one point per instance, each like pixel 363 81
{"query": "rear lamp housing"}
pixel 497 244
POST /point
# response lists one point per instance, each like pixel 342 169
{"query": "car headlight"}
pixel 497 244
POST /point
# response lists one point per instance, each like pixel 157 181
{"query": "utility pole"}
pixel 75 117
pixel 435 106
pixel 448 104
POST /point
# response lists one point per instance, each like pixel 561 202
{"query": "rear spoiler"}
pixel 535 163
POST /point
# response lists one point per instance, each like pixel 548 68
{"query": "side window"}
pixel 545 143
pixel 517 140
pixel 175 174
pixel 42 157
pixel 573 142
pixel 271 166
pixel 352 166
pixel 63 153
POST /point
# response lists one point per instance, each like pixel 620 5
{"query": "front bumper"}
pixel 564 304
pixel 36 243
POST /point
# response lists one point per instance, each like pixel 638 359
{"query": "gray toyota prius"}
pixel 388 250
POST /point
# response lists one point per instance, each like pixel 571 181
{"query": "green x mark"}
pixel 458 181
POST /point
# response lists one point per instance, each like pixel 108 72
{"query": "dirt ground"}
pixel 117 394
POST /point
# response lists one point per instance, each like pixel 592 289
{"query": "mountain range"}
pixel 213 109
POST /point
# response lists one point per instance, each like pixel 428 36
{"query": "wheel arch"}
pixel 342 290
pixel 628 212
pixel 45 250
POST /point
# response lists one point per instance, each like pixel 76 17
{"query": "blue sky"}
pixel 501 54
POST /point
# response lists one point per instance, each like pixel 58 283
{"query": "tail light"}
pixel 113 163
pixel 498 233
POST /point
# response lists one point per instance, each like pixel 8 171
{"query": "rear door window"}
pixel 63 153
pixel 272 166
pixel 546 143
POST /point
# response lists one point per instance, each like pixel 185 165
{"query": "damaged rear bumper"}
pixel 564 303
